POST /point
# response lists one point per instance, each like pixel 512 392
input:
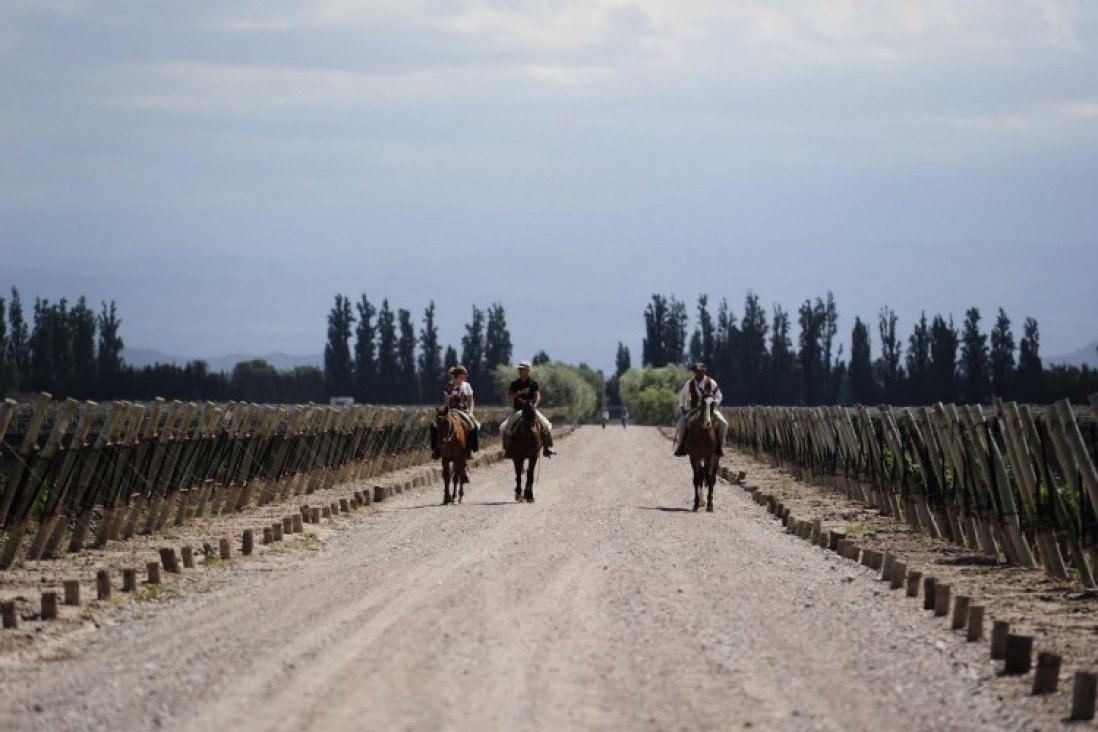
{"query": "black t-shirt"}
pixel 518 385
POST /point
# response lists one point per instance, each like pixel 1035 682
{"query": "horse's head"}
pixel 706 408
pixel 442 419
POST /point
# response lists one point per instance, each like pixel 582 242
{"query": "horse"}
pixel 525 446
pixel 701 446
pixel 451 447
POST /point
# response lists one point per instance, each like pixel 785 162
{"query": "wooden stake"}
pixel 888 562
pixel 1082 696
pixel 10 617
pixel 169 560
pixel 268 535
pixel 287 525
pixel 49 606
pixel 899 575
pixel 941 600
pixel 247 543
pixel 103 584
pixel 960 612
pixel 276 530
pixel 225 549
pixel 913 579
pixel 999 631
pixel 188 557
pixel 153 570
pixel 1047 677
pixel 379 493
pixel 314 516
pixel 929 596
pixel 129 579
pixel 1019 654
pixel 72 592
pixel 344 505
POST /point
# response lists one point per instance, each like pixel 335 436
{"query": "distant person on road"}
pixel 700 386
pixel 624 416
pixel 458 396
pixel 526 389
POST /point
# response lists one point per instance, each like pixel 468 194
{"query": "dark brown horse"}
pixel 451 447
pixel 701 445
pixel 525 447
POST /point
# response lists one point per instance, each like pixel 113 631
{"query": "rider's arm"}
pixel 684 398
pixel 717 396
pixel 472 403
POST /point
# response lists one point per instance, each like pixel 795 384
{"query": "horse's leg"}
pixel 461 480
pixel 446 482
pixel 697 484
pixel 711 480
pixel 529 495
pixel 518 477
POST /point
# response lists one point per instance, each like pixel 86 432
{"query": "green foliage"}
pixel 650 394
pixel 562 386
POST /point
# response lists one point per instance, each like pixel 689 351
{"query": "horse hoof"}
pixel 529 499
pixel 518 495
pixel 709 508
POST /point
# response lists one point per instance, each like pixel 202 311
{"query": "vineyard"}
pixel 76 474
pixel 1016 483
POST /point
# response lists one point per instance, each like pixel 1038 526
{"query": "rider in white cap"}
pixel 701 385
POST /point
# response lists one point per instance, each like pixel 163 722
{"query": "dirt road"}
pixel 605 605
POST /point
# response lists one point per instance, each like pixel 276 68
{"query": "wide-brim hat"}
pixel 458 369
pixel 699 367
pixel 524 365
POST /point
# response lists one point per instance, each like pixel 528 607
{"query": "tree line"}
pixel 376 355
pixel 756 361
pixel 373 354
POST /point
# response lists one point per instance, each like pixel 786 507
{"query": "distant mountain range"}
pixel 140 357
pixel 1086 355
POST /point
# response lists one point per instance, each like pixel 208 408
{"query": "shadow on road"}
pixel 667 509
pixel 465 503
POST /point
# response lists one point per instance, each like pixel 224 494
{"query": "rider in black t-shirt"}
pixel 527 389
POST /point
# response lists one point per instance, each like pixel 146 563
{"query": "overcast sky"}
pixel 222 170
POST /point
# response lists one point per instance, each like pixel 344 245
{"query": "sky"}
pixel 222 170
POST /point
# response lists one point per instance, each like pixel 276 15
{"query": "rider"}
pixel 689 399
pixel 526 389
pixel 605 416
pixel 458 396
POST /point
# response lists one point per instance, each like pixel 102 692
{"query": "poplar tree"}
pixel 943 360
pixel 365 355
pixel 388 377
pixel 338 367
pixel 406 358
pixel 974 367
pixel 891 352
pixel 109 363
pixel 1002 358
pixel 430 357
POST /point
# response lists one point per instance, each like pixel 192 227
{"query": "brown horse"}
pixel 451 447
pixel 525 447
pixel 701 445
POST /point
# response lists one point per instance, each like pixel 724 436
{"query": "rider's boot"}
pixel 435 455
pixel 505 438
pixel 720 440
pixel 547 445
pixel 680 441
pixel 474 442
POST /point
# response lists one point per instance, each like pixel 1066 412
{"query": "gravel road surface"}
pixel 607 604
